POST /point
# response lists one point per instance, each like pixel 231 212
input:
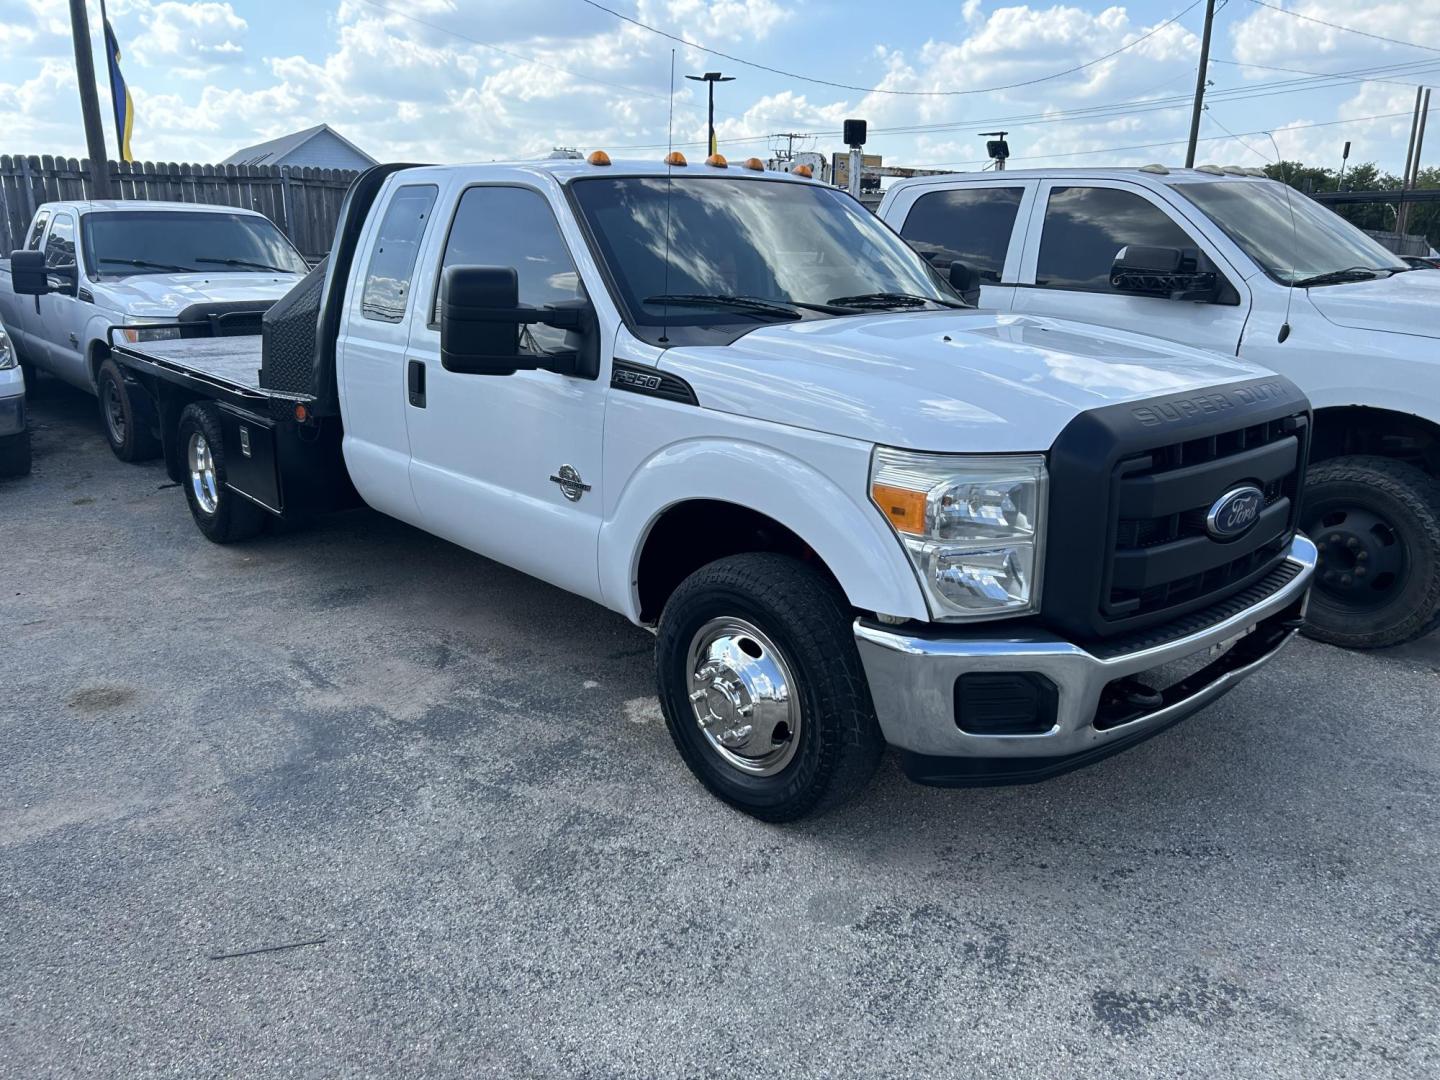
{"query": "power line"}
pixel 513 55
pixel 1100 112
pixel 1172 142
pixel 1347 29
pixel 1421 68
pixel 878 90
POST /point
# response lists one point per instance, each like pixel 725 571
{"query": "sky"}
pixel 480 80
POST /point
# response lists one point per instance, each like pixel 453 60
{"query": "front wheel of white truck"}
pixel 762 687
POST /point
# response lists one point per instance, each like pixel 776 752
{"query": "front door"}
pixel 1082 225
pixel 509 465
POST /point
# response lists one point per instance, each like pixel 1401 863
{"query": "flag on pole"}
pixel 119 92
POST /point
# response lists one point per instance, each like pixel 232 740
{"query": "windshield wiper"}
pixel 1337 277
pixel 148 265
pixel 882 300
pixel 246 262
pixel 748 303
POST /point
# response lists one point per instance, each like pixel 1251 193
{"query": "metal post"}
pixel 89 101
pixel 1344 157
pixel 854 177
pixel 1420 140
pixel 1402 211
pixel 1200 84
pixel 712 77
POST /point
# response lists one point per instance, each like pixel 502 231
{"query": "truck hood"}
pixel 164 296
pixel 1407 303
pixel 970 381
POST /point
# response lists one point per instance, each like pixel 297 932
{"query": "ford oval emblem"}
pixel 1235 512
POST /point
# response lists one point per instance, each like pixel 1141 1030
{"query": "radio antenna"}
pixel 669 183
pixel 1294 237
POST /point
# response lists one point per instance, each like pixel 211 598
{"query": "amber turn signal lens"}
pixel 717 161
pixel 675 158
pixel 598 157
pixel 755 163
pixel 803 170
pixel 904 508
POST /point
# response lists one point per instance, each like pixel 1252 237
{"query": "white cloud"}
pixel 195 36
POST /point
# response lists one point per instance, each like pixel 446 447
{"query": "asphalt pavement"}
pixel 350 801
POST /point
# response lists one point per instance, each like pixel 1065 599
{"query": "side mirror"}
pixel 28 274
pixel 1170 273
pixel 480 320
pixel 966 282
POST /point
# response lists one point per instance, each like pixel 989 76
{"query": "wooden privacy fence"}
pixel 305 203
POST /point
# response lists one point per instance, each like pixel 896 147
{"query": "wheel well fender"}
pixel 1342 430
pixel 702 499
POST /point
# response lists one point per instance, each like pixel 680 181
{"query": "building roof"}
pixel 271 153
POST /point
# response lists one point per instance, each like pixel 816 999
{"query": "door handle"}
pixel 415 383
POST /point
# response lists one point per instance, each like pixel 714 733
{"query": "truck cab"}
pixel 731 406
pixel 89 265
pixel 1229 261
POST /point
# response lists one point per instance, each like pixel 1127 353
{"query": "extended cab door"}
pixel 27 308
pixel 980 223
pixel 1078 227
pixel 62 314
pixel 489 452
pixel 373 349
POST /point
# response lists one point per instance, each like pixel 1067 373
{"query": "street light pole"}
pixel 89 102
pixel 711 77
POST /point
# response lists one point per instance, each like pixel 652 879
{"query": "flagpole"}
pixel 89 101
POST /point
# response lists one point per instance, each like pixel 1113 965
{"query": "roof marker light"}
pixel 598 157
pixel 717 161
pixel 1157 169
pixel 1213 170
pixel 755 164
pixel 803 170
pixel 675 158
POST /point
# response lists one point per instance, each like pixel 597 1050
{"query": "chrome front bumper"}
pixel 912 681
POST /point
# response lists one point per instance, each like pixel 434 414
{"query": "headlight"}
pixel 135 334
pixel 8 358
pixel 971 526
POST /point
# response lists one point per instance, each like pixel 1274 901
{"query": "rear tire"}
pixel 127 416
pixel 220 514
pixel 734 628
pixel 1376 522
pixel 15 454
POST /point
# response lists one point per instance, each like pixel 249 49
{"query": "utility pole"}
pixel 1344 159
pixel 89 101
pixel 712 77
pixel 1200 84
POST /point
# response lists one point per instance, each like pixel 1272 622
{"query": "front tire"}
pixel 126 415
pixel 220 514
pixel 763 689
pixel 1376 522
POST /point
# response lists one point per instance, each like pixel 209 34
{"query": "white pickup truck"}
pixel 1225 260
pixel 733 406
pixel 134 264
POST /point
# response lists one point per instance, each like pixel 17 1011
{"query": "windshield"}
pixel 174 242
pixel 1257 217
pixel 743 253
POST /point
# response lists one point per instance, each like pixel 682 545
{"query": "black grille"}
pixel 1130 489
pixel 1163 555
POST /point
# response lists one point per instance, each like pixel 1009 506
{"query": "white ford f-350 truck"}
pixel 733 406
pixel 135 264
pixel 1232 262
